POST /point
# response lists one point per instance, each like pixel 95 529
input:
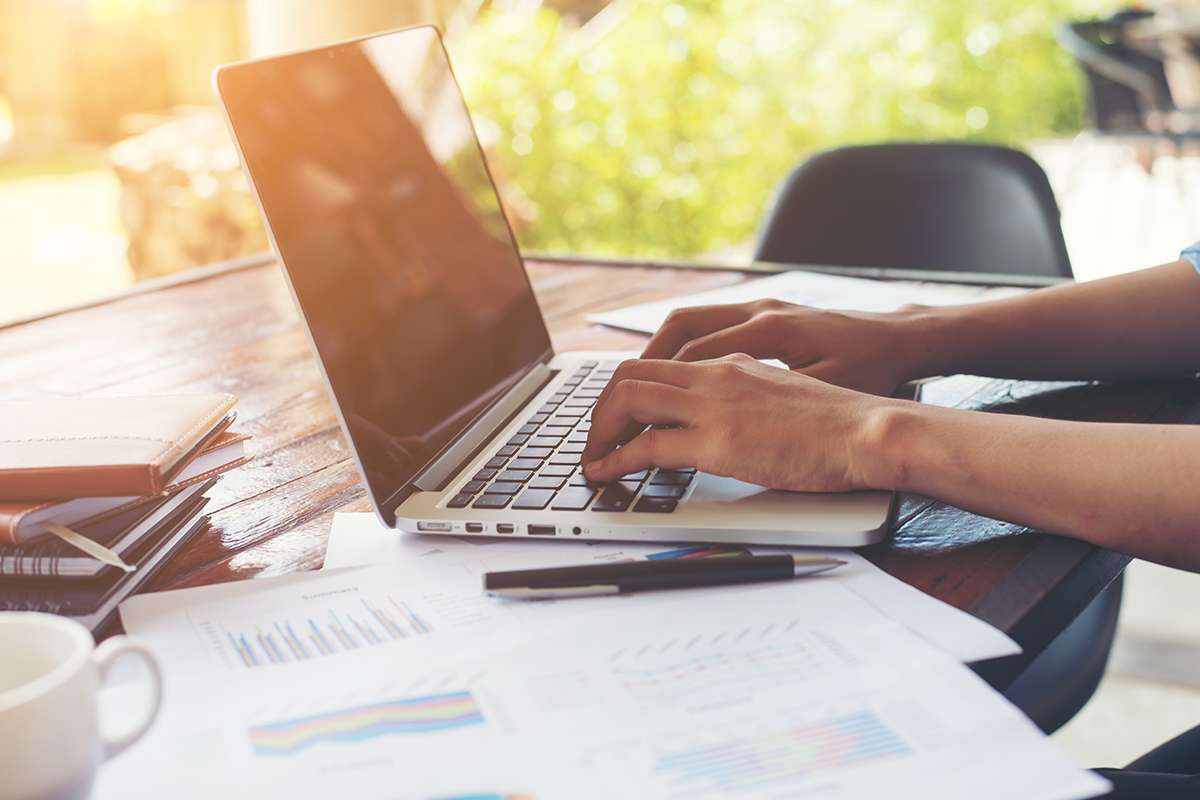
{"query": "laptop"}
pixel 461 417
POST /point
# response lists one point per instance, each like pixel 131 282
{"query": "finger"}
pixel 747 338
pixel 686 324
pixel 632 406
pixel 672 373
pixel 653 447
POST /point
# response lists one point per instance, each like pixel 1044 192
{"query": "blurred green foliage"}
pixel 661 128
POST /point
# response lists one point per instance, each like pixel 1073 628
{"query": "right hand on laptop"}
pixel 739 418
pixel 869 352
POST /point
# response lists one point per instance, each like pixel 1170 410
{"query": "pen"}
pixel 633 576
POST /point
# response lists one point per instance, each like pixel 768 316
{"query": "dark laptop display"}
pixel 394 240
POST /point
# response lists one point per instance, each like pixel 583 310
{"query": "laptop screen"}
pixel 390 229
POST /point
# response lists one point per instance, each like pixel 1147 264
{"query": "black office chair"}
pixel 956 207
pixel 942 206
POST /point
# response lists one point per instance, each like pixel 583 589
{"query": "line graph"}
pixel 411 716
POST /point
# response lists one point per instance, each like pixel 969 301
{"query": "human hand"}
pixel 868 352
pixel 735 417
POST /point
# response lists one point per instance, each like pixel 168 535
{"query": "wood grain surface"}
pixel 236 330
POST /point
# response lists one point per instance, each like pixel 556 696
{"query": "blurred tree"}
pixel 659 128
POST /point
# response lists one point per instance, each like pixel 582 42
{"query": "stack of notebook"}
pixel 96 493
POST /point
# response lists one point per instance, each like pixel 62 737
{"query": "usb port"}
pixel 541 530
pixel 504 527
pixel 474 527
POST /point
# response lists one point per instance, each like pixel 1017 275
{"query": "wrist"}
pixel 885 453
pixel 934 340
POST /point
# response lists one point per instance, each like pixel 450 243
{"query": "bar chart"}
pixel 336 626
pixel 754 762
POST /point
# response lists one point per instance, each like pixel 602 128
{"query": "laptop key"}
pixel 557 470
pixel 519 439
pixel 527 430
pixel 577 438
pixel 579 479
pixel 673 492
pixel 517 475
pixel 579 402
pixel 559 396
pixel 571 448
pixel 525 463
pixel 544 441
pixel 548 409
pixel 656 505
pixel 671 478
pixel 555 430
pixel 584 427
pixel 497 462
pixel 615 497
pixel 484 475
pixel 534 499
pixel 538 419
pixel 566 411
pixel 536 452
pixel 589 394
pixel 504 487
pixel 460 500
pixel 507 451
pixel 473 487
pixel 564 421
pixel 492 501
pixel 635 476
pixel 574 498
pixel 547 482
pixel 570 459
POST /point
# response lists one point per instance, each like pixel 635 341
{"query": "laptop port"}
pixel 504 527
pixel 474 527
pixel 434 526
pixel 541 530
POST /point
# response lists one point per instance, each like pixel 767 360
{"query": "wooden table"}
pixel 233 328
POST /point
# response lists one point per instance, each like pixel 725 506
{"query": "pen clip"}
pixel 552 592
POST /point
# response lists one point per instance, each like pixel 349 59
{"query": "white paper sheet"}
pixel 358 539
pixel 806 288
pixel 825 697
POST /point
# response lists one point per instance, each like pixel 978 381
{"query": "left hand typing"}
pixel 735 417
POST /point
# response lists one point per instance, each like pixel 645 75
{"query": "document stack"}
pixel 96 493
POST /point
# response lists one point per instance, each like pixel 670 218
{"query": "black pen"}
pixel 634 576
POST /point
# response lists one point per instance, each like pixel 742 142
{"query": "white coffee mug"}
pixel 51 742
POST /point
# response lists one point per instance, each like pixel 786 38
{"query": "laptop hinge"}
pixel 436 475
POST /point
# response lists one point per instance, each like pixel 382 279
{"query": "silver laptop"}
pixel 462 418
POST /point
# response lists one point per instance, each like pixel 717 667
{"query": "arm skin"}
pixel 1126 487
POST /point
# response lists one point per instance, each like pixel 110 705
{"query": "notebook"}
pixel 120 532
pixel 23 522
pixel 94 604
pixel 104 446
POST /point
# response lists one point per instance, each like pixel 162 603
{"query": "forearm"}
pixel 1125 487
pixel 1144 324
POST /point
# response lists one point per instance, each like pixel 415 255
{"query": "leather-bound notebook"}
pixel 103 446
pixel 23 522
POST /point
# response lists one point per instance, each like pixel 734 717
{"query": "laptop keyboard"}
pixel 538 468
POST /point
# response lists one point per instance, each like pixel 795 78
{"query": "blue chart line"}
pixel 745 763
pixel 336 630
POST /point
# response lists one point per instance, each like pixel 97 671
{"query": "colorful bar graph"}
pixel 411 716
pixel 742 764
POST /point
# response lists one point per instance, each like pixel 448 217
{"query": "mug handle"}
pixel 105 655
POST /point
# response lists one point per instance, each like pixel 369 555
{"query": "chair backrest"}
pixel 941 206
pixel 1123 83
